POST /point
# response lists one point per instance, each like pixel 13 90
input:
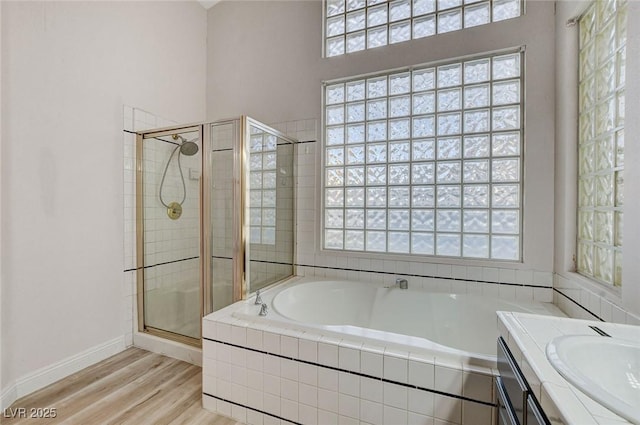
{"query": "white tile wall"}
pixel 128 305
pixel 129 202
pixel 166 239
pixel 448 380
pixel 581 301
pixel 396 368
pixel 302 130
pixel 347 383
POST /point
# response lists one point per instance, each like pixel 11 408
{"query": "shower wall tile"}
pixel 129 289
pixel 127 118
pixel 302 130
pixel 128 306
pixel 144 120
pixel 307 204
pixel 129 191
pixel 169 240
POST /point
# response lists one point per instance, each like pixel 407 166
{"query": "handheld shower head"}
pixel 187 148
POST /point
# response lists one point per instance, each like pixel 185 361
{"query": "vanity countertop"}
pixel 527 336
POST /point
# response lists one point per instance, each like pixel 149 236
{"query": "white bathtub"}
pixel 461 324
pixel 459 321
pixel 332 351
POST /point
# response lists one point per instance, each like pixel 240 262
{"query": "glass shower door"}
pixel 270 207
pixel 224 141
pixel 251 208
pixel 169 216
pixel 215 220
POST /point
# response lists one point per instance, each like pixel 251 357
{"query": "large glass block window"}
pixel 354 25
pixel 262 187
pixel 601 140
pixel 426 161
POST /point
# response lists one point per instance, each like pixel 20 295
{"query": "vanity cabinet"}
pixel 516 403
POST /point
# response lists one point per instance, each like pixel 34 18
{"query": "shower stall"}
pixel 215 220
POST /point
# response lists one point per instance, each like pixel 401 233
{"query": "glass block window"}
pixel 601 140
pixel 426 161
pixel 262 187
pixel 354 25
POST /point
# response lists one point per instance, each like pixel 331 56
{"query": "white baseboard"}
pixel 172 349
pixel 8 396
pixel 52 373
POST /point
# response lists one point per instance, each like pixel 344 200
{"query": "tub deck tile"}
pixel 422 373
pixel 349 359
pixel 308 350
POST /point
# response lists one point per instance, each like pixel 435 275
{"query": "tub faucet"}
pixel 263 310
pixel 258 298
pixel 402 283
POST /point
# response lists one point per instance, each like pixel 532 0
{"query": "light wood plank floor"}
pixel 134 387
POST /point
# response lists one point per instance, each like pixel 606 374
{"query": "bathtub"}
pixel 463 325
pixel 364 351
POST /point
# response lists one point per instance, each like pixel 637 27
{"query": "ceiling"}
pixel 208 4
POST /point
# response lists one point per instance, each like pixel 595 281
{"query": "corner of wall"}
pixel 580 298
pixel 576 295
pixel 8 396
pixel 47 375
pixel 4 388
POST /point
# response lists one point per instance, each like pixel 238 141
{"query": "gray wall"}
pixel 264 60
pixel 67 70
pixel 597 298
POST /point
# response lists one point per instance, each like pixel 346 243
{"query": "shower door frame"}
pixel 238 249
pixel 205 277
pixel 240 286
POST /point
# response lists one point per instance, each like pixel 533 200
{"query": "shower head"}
pixel 188 148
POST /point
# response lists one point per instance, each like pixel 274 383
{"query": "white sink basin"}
pixel 606 369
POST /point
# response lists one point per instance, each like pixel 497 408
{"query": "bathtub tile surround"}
pixel 260 371
pixel 527 337
pixel 522 288
pixel 275 387
pixel 582 300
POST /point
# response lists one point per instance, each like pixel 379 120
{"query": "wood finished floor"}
pixel 134 387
